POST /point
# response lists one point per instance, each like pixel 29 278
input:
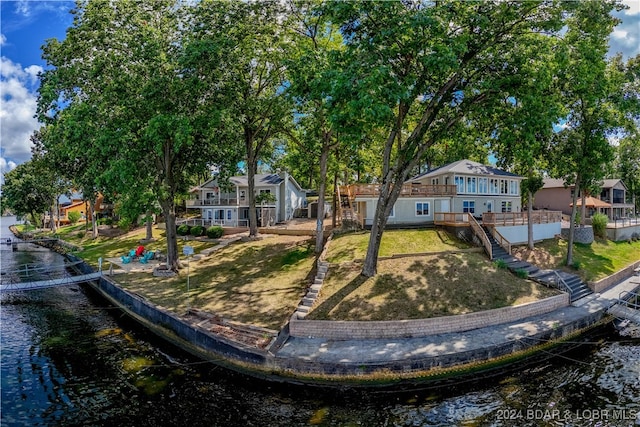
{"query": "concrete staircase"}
pixel 553 278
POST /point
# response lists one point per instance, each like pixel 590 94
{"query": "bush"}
pixel 183 230
pixel 197 230
pixel 214 232
pixel 599 223
pixel 500 263
pixel 73 217
pixel 522 273
pixel 124 223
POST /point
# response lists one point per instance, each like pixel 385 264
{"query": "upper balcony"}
pixel 408 190
pixel 222 201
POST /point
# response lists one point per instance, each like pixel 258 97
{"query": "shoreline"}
pixel 331 363
pixel 388 363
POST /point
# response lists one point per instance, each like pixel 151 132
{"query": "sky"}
pixel 25 25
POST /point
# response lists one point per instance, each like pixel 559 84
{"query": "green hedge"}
pixel 215 232
pixel 183 230
pixel 599 224
pixel 197 230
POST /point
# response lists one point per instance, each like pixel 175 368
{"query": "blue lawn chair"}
pixel 146 257
pixel 125 259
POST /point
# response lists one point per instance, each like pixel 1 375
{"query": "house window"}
pixel 504 186
pixel 265 191
pixel 513 187
pixel 471 185
pixel 422 208
pixel 482 186
pixel 229 214
pixel 219 214
pixel 242 195
pixel 434 181
pixel 459 181
pixel 468 206
pixel 493 185
pixel 507 206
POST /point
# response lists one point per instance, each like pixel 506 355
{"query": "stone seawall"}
pixel 581 234
pixel 343 330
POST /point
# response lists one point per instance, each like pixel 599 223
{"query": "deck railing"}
pixel 520 218
pixel 502 241
pixel 479 231
pixel 448 218
pixel 408 190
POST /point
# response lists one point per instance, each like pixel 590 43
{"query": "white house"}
pixel 460 187
pixel 228 204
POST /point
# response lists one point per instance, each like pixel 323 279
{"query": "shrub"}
pixel 522 273
pixel 599 223
pixel 124 223
pixel 500 263
pixel 197 230
pixel 73 217
pixel 183 230
pixel 214 232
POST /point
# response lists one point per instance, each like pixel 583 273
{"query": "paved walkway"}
pixel 380 351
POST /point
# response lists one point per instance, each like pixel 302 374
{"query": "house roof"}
pixel 610 183
pixel 467 167
pixel 559 183
pixel 260 180
pixel 554 183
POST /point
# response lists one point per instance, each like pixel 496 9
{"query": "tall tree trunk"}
pixel 334 212
pixel 583 208
pixel 529 215
pixel 149 225
pixel 324 156
pixel 169 213
pixel 574 210
pixel 52 217
pixel 387 198
pixel 252 163
pixel 94 222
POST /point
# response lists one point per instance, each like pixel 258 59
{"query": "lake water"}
pixel 69 359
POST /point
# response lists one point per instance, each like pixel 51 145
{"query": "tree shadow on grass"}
pixel 432 287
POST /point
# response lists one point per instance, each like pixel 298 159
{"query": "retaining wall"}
pixel 344 330
pixel 581 234
pixel 617 277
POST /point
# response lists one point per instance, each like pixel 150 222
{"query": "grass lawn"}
pixel 596 261
pixel 109 247
pixel 348 247
pixel 257 282
pixel 422 287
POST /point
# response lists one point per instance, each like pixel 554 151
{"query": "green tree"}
pixel 416 70
pixel 525 122
pixel 27 189
pixel 309 73
pixel 126 60
pixel 589 88
pixel 249 38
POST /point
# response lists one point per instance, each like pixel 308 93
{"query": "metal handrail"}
pixel 561 281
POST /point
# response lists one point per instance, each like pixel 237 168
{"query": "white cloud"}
pixel 3 40
pixel 17 122
pixel 634 7
pixel 625 38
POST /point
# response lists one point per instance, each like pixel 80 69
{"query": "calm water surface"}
pixel 69 359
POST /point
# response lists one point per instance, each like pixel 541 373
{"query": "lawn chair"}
pixel 146 257
pixel 126 259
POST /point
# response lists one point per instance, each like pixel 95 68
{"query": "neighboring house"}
pixel 554 195
pixel 75 203
pixel 460 187
pixel 229 206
